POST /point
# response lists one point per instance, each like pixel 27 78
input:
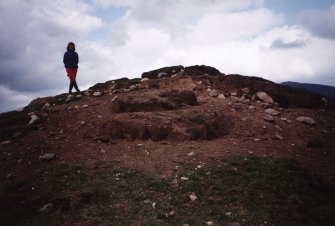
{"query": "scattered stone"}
pixel 47 157
pixel 78 96
pixel 85 106
pixel 184 178
pixel 19 161
pixel 87 93
pixel 237 107
pixel 34 119
pixel 325 101
pixel 31 113
pixel 5 142
pixel 263 96
pixel 133 87
pixel 82 123
pixel 251 108
pixel 279 137
pixel 20 109
pixel 145 79
pixel 234 99
pixel 268 118
pixel 114 98
pixel 213 93
pixel 209 223
pixel 9 176
pixel 233 94
pixel 162 75
pixel 47 208
pixel 246 101
pixel 272 111
pixel 193 197
pixel 306 120
pixel 97 94
pixel 46 105
pixel 221 96
pixel 245 90
pixel 190 153
pixel 228 214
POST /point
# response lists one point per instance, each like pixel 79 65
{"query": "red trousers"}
pixel 72 73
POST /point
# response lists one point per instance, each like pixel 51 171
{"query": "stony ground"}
pixel 154 128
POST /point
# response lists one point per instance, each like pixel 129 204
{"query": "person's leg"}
pixel 71 86
pixel 76 86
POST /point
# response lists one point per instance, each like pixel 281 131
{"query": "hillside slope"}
pixel 326 91
pixel 161 149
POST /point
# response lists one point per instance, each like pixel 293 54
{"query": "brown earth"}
pixel 160 124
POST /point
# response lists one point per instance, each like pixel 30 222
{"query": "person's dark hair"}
pixel 71 44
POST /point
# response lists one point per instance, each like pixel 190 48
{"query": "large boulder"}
pixel 263 96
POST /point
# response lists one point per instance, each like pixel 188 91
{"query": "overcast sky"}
pixel 279 40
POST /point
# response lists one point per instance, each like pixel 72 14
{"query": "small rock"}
pixel 114 98
pixel 251 108
pixel 190 153
pixel 306 120
pixel 47 208
pixel 268 118
pixel 97 94
pixel 162 75
pixel 5 142
pixel 133 87
pixel 184 178
pixel 46 105
pixel 221 96
pixel 228 214
pixel 34 119
pixel 19 161
pixel 209 223
pixel 47 157
pixel 145 79
pixel 85 106
pixel 272 111
pixel 213 93
pixel 234 99
pixel 263 96
pixel 20 109
pixel 237 107
pixel 193 197
pixel 245 90
pixel 279 137
pixel 233 94
pixel 82 123
pixel 9 176
pixel 246 101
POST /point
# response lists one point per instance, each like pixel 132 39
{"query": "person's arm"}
pixel 77 58
pixel 64 58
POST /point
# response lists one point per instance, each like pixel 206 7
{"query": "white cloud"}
pixel 235 36
pixel 320 22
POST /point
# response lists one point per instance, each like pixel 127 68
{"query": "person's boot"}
pixel 76 86
pixel 70 87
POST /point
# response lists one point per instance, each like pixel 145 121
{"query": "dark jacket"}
pixel 71 59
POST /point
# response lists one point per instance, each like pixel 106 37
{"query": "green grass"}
pixel 253 190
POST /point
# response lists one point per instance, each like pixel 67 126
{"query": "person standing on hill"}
pixel 71 61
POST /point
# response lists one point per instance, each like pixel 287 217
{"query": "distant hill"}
pixel 327 91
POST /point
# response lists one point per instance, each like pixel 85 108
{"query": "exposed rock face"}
pixel 184 97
